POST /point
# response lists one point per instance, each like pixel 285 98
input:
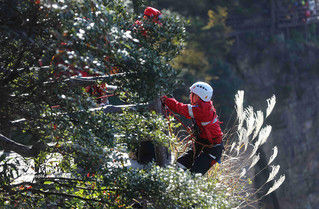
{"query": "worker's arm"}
pixel 178 107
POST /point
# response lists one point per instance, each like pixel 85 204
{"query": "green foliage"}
pixel 44 44
pixel 157 187
pixel 137 127
pixel 192 62
pixel 69 37
pixel 306 35
pixel 250 8
pixel 216 18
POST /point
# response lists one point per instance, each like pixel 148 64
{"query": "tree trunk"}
pixel 161 152
pixel 161 155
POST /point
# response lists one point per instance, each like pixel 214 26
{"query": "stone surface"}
pixel 295 121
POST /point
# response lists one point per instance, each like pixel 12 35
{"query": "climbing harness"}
pixel 188 129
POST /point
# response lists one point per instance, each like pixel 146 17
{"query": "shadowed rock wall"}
pixel 293 76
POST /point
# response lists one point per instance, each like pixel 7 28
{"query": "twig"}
pixel 63 195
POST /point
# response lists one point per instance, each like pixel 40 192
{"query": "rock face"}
pixel 293 76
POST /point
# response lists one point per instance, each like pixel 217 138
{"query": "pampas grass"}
pixel 274 155
pixel 259 122
pixel 262 138
pixel 270 105
pixel 232 146
pixel 273 172
pixel 264 134
pixel 242 154
pixel 254 161
pixel 239 101
pixel 242 174
pixel 250 119
pixel 277 184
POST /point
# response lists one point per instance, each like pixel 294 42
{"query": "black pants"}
pixel 200 159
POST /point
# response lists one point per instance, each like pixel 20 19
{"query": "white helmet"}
pixel 203 90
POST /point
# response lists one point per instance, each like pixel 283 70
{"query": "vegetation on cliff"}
pixel 73 150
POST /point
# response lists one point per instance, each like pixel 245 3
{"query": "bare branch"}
pixel 105 109
pixel 86 81
pixel 25 151
pixel 118 108
pixel 63 195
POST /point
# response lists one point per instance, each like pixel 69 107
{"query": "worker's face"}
pixel 193 98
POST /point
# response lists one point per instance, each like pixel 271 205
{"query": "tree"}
pixel 45 44
pixel 73 148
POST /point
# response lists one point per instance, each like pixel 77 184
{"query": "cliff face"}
pixel 292 74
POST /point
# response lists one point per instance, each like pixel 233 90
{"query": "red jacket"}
pixel 205 116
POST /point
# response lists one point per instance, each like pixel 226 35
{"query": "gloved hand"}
pixel 163 99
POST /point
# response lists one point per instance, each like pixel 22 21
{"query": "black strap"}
pixel 196 129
